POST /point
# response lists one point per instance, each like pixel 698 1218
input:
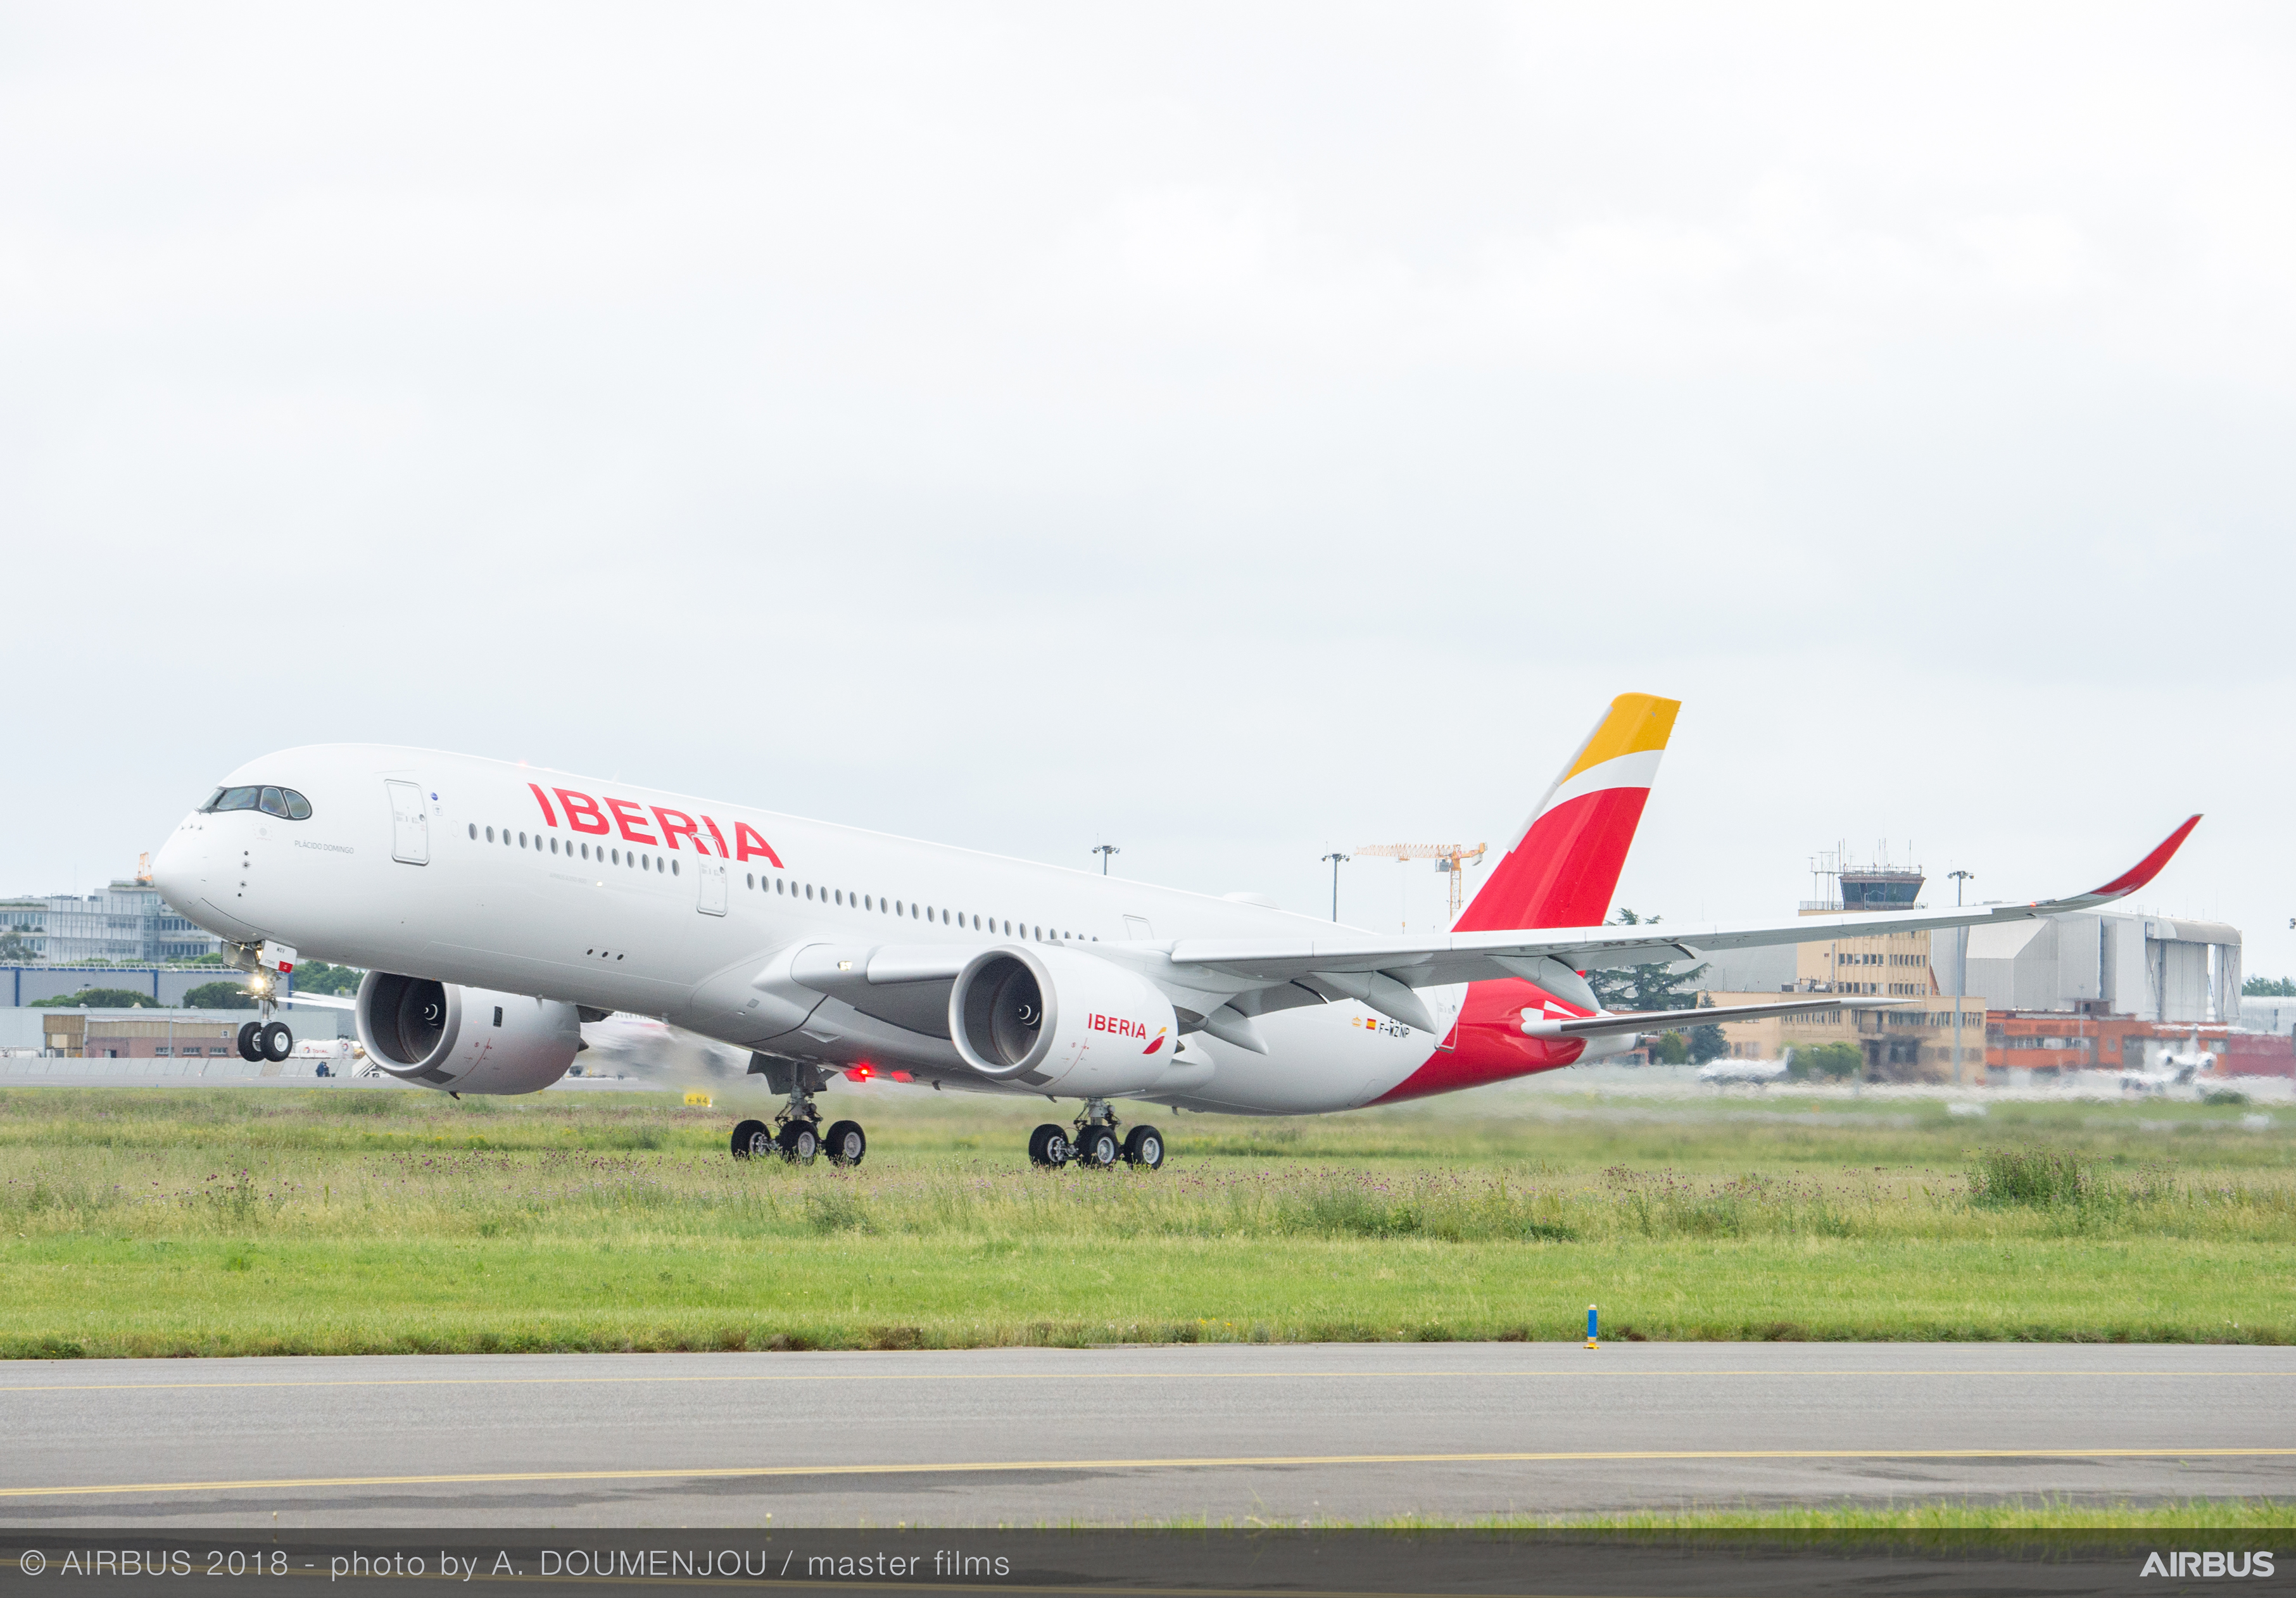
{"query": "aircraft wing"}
pixel 1473 956
pixel 1221 984
pixel 1256 975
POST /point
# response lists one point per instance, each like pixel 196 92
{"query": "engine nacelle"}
pixel 465 1039
pixel 1059 1018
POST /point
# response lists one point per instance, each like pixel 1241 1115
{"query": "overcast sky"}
pixel 1231 432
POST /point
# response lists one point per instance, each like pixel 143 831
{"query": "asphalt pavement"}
pixel 1030 1436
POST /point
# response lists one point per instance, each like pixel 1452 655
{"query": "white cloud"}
pixel 1240 430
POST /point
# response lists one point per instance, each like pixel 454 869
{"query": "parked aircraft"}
pixel 1762 1073
pixel 498 908
pixel 2175 1068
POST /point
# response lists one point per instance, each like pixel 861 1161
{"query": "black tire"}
pixel 1143 1146
pixel 798 1140
pixel 846 1143
pixel 276 1042
pixel 753 1140
pixel 1049 1147
pixel 1096 1147
pixel 249 1048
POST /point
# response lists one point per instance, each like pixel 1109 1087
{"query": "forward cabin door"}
pixel 410 824
pixel 713 886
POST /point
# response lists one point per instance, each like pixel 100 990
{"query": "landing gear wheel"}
pixel 275 1041
pixel 1143 1146
pixel 846 1143
pixel 1096 1147
pixel 1049 1147
pixel 251 1047
pixel 800 1142
pixel 753 1140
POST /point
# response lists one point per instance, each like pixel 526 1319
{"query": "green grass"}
pixel 148 1221
pixel 1936 1514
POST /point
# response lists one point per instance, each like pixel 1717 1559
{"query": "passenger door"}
pixel 410 824
pixel 713 886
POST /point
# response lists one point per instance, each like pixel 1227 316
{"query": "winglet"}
pixel 2146 869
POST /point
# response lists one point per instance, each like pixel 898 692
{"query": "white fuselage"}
pixel 624 898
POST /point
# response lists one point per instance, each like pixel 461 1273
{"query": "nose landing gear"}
pixel 268 1038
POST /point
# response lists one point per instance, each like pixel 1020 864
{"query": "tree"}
pixel 1707 1042
pixel 1672 1048
pixel 1644 986
pixel 2269 987
pixel 317 976
pixel 1825 1060
pixel 16 949
pixel 219 995
pixel 96 999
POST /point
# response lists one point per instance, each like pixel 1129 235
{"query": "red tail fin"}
pixel 1563 868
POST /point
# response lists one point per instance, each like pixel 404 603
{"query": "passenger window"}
pixel 586 851
pixel 673 870
pixel 521 841
pixel 475 832
pixel 490 834
pixel 617 856
pixel 808 890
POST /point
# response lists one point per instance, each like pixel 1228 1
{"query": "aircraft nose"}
pixel 174 870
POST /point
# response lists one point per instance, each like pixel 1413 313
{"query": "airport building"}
pixel 177 1035
pixel 2103 989
pixel 129 922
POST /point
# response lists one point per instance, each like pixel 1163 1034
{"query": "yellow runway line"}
pixel 1618 1372
pixel 1208 1462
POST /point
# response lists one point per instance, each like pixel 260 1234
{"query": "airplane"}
pixel 2176 1068
pixel 497 908
pixel 1762 1073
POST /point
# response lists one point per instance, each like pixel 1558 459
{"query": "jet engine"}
pixel 465 1039
pixel 1059 1018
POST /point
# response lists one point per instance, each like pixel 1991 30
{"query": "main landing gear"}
pixel 265 1040
pixel 796 1135
pixel 1094 1144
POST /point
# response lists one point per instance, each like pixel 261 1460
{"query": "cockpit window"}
pixel 283 802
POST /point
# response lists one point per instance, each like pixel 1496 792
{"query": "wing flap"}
pixel 1669 1020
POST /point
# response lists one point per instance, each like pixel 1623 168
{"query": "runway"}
pixel 1049 1437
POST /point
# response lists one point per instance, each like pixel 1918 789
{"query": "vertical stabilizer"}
pixel 1563 865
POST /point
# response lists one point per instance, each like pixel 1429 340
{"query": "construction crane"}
pixel 1453 858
